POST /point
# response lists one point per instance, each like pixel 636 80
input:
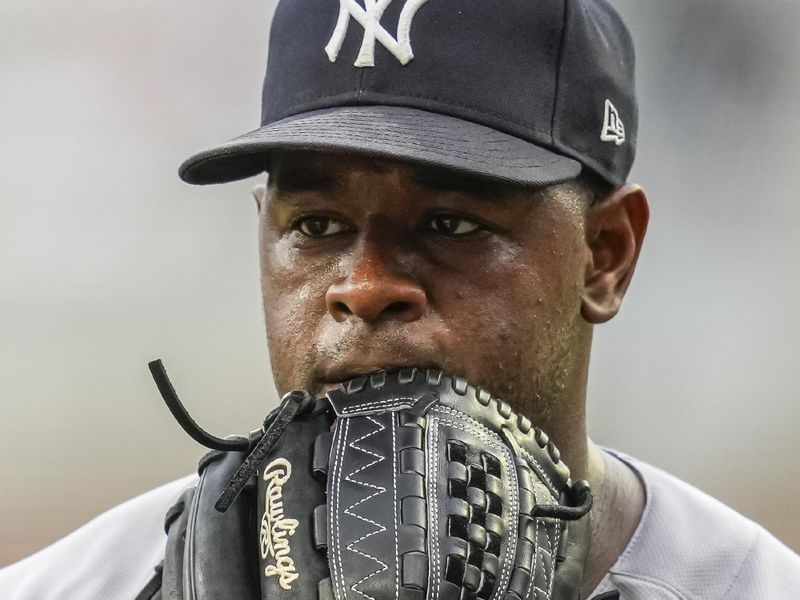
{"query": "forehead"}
pixel 315 170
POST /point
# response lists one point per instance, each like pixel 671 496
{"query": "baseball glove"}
pixel 402 485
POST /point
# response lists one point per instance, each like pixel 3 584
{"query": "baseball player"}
pixel 446 218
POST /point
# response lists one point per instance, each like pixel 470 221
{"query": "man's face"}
pixel 369 264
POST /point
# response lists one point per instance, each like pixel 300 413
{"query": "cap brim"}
pixel 387 131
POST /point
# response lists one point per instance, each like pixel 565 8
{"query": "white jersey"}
pixel 687 546
pixel 112 557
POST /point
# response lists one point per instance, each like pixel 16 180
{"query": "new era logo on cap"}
pixel 613 127
pixel 370 20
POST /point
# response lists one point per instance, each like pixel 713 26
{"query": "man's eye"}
pixel 452 225
pixel 319 226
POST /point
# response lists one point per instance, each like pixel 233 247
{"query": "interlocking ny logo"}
pixel 370 20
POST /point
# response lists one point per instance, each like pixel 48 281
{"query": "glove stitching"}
pixel 341 437
pixel 549 580
pixel 191 528
pixel 394 506
pixel 433 520
pixel 553 557
pixel 380 490
pixel 485 435
pixel 535 553
pixel 539 522
pixel 467 424
pixel 539 469
pixel 511 543
pixel 390 403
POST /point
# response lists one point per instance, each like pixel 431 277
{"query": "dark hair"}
pixel 597 187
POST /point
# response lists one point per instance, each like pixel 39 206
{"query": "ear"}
pixel 259 195
pixel 615 229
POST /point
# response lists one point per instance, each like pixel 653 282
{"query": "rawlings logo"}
pixel 276 529
pixel 370 20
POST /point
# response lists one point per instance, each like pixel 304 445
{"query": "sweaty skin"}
pixel 369 263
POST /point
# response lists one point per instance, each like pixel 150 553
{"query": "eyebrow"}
pixel 297 176
pixel 313 175
pixel 479 188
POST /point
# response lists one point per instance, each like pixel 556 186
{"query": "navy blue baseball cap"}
pixel 525 91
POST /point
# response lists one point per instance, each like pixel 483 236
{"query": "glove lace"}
pixel 258 446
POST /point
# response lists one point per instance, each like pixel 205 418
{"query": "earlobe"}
pixel 615 230
pixel 259 194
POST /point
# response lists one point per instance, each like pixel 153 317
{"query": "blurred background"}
pixel 107 260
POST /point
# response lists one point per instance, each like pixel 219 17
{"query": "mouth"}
pixel 334 378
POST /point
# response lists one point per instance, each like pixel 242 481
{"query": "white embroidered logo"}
pixel 276 529
pixel 613 127
pixel 370 20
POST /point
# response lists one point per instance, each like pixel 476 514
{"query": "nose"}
pixel 376 290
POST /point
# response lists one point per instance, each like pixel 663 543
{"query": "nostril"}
pixel 388 299
pixel 397 308
pixel 342 308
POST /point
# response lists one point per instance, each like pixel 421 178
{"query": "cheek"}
pixel 294 305
pixel 514 316
pixel 546 302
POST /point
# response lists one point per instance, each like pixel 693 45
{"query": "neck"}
pixel 618 493
pixel 618 505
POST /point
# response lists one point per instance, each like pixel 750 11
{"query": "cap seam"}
pixel 323 102
pixel 557 87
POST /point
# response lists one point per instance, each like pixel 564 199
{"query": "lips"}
pixel 334 376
